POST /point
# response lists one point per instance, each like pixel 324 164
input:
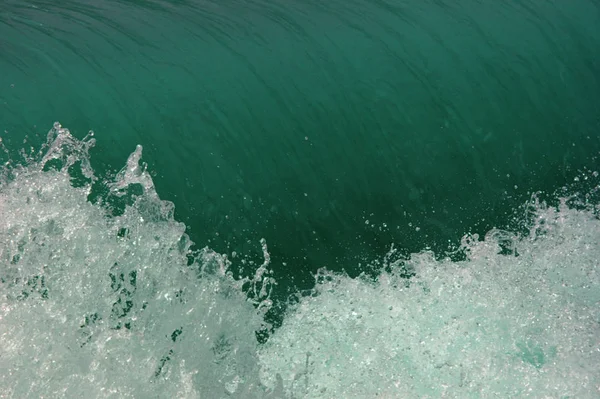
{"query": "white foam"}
pixel 494 326
pixel 94 305
pixel 98 306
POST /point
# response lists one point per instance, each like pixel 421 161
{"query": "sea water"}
pixel 109 300
pixel 299 200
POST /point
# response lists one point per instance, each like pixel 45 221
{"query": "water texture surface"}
pixel 299 199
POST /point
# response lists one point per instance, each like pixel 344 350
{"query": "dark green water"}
pixel 332 129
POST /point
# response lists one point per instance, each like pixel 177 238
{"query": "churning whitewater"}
pixel 108 298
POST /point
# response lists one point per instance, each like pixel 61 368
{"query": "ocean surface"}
pixel 300 199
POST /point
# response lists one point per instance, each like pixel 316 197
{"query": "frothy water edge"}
pixel 110 300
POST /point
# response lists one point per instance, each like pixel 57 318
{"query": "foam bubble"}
pixel 98 303
pixel 95 305
pixel 523 325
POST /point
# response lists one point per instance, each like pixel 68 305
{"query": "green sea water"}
pixel 330 129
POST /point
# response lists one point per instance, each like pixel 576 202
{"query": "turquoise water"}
pixel 299 143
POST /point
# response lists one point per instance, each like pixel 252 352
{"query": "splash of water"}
pixel 97 303
pixel 524 325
